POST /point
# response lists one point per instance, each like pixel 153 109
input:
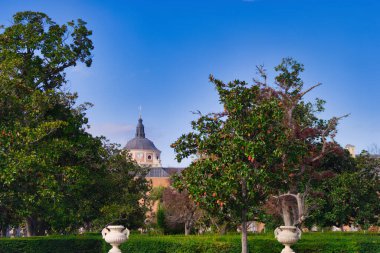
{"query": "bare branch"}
pixel 42 137
pixel 308 90
pixel 330 126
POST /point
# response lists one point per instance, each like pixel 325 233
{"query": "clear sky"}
pixel 158 54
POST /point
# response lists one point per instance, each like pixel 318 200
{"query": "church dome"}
pixel 140 142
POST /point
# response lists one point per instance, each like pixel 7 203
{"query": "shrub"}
pixel 310 243
pixel 161 218
pixel 54 244
pixel 263 243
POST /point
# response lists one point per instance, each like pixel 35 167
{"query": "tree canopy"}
pixel 52 171
pixel 351 196
pixel 266 142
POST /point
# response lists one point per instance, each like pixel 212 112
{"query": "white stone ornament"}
pixel 12 232
pixel 287 235
pixel 115 235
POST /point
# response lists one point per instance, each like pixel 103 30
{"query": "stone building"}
pixel 145 153
pixel 351 150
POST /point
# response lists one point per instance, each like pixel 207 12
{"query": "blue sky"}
pixel 158 54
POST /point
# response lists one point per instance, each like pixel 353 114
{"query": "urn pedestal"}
pixel 115 235
pixel 287 235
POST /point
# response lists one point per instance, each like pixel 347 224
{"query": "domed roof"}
pixel 140 142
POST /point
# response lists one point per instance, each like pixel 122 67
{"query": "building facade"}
pixel 145 153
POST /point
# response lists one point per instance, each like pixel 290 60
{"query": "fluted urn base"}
pixel 115 249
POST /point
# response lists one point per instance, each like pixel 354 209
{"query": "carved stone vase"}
pixel 287 235
pixel 115 235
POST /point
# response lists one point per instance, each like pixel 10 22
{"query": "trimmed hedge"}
pixel 53 244
pixel 310 243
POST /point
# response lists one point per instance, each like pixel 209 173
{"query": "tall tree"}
pixel 53 174
pixel 308 139
pixel 125 188
pixel 46 155
pixel 230 176
pixel 265 142
pixel 180 209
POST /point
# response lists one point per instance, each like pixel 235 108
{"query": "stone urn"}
pixel 115 235
pixel 287 235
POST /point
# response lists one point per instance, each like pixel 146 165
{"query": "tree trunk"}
pixel 30 227
pixel 222 229
pixel 286 213
pixel 244 243
pixel 187 228
pixel 4 231
pixel 35 226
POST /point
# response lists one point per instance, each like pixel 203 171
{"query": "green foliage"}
pixel 156 193
pixel 266 142
pixel 161 218
pixel 229 177
pixel 54 175
pixel 351 195
pixel 47 158
pixel 128 206
pixel 35 50
pixel 70 244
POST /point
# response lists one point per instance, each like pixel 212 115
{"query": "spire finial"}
pixel 140 109
pixel 140 127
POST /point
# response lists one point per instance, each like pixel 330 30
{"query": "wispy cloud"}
pixel 116 132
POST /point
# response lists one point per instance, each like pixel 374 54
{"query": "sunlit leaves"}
pixel 47 160
pixel 266 140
